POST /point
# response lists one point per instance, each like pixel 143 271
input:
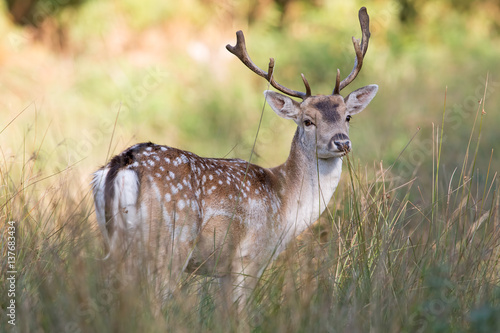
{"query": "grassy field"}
pixel 411 240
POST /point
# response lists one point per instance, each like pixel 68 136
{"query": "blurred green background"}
pixel 160 70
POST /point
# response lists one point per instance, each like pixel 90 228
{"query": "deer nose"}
pixel 343 145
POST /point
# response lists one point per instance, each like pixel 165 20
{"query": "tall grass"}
pixel 387 256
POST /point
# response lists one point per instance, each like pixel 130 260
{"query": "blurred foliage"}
pixel 410 10
pixel 44 17
pixel 34 12
pixel 203 99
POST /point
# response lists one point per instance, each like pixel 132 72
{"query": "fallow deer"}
pixel 229 218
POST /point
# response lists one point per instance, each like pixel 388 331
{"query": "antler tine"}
pixel 240 51
pixel 308 88
pixel 360 49
pixel 364 22
pixel 336 90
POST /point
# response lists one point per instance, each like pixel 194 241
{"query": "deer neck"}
pixel 307 185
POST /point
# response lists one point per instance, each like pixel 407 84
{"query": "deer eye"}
pixel 348 118
pixel 308 123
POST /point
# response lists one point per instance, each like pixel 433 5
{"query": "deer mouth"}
pixel 332 154
pixel 344 153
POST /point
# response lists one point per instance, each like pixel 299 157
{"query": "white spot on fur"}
pixel 209 192
pixel 181 204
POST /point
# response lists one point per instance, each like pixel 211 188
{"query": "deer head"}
pixel 322 120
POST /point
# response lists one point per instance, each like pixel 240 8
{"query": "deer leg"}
pixel 169 260
pixel 244 279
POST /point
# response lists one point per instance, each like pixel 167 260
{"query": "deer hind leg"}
pixel 169 254
pixel 237 289
pixel 147 237
pixel 171 235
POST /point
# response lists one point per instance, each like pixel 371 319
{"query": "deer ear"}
pixel 359 99
pixel 283 105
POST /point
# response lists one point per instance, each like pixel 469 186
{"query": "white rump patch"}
pixel 98 182
pixel 126 195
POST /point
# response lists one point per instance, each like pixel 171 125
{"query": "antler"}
pixel 240 51
pixel 364 21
